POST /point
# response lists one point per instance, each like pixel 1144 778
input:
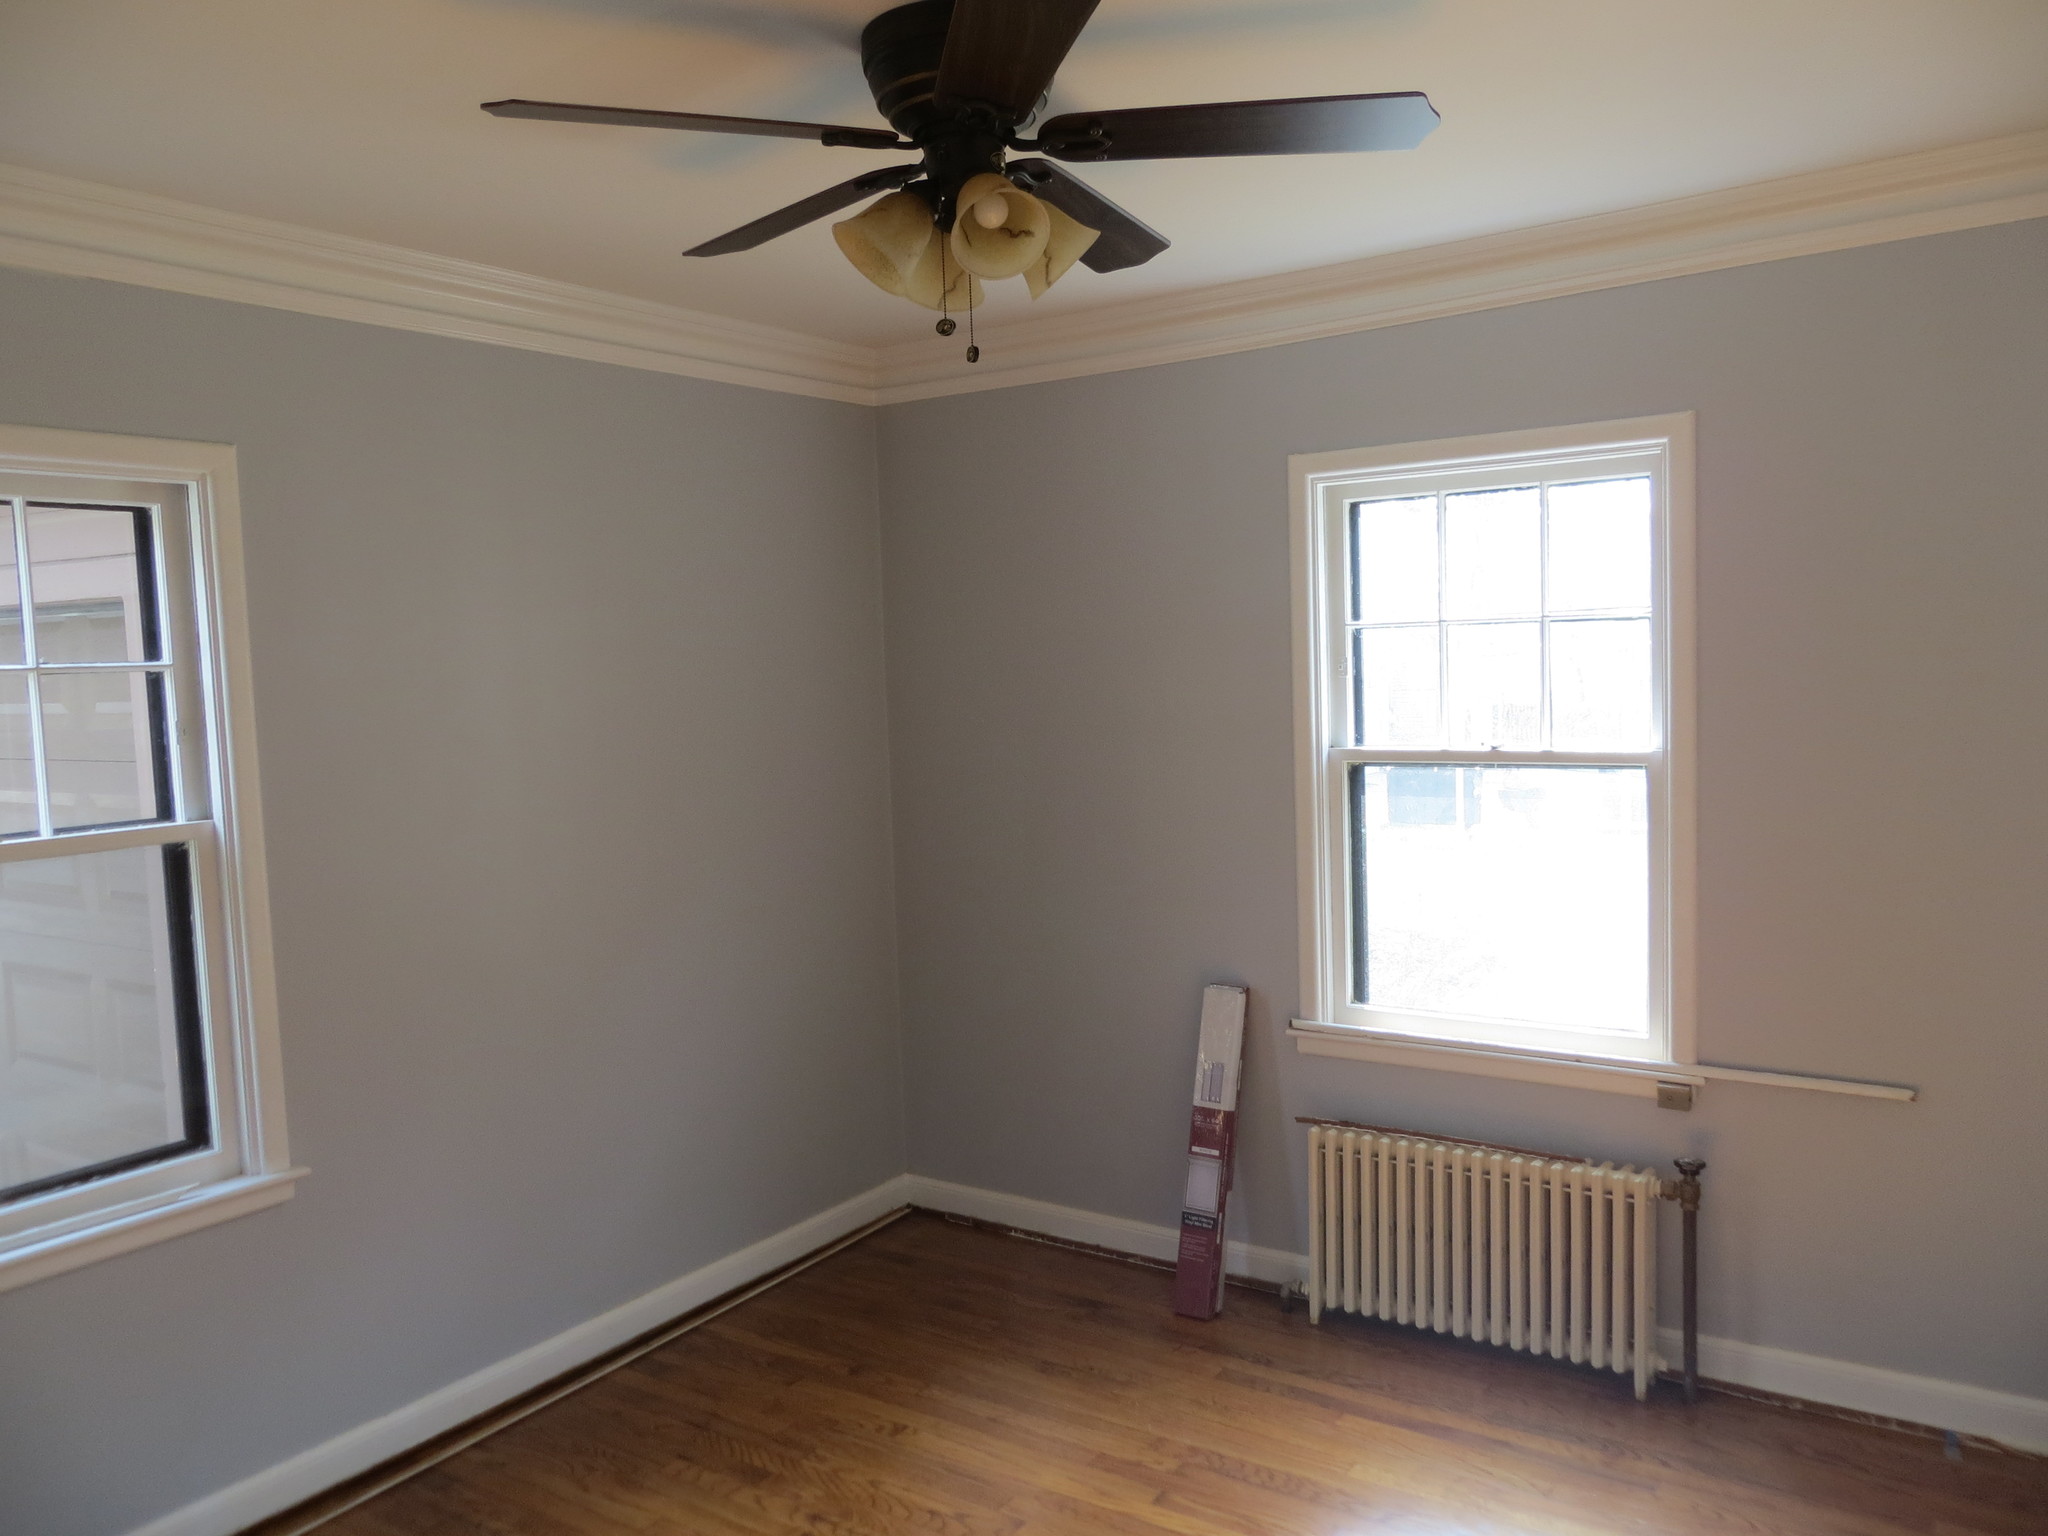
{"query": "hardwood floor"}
pixel 950 1380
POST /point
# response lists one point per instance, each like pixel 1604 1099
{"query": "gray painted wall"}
pixel 1090 688
pixel 569 693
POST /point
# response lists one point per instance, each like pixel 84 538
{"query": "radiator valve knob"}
pixel 1689 1171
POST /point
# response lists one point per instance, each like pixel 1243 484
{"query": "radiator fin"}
pixel 1550 1256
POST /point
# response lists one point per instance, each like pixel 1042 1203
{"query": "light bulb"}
pixel 990 212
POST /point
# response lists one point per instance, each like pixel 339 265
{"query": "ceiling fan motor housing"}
pixel 900 52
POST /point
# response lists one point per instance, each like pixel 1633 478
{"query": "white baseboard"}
pixel 1143 1238
pixel 319 1468
pixel 2020 1422
pixel 2009 1419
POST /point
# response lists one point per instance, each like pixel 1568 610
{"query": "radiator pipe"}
pixel 1689 1171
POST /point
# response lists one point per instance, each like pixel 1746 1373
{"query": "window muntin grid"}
pixel 100 929
pixel 1351 619
pixel 83 647
pixel 1472 614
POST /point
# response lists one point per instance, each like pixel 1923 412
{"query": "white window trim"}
pixel 1606 1075
pixel 1324 484
pixel 1320 852
pixel 253 1168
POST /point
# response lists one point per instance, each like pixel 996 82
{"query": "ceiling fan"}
pixel 959 81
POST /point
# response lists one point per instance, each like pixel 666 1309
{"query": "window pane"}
pixel 11 651
pixel 1394 554
pixel 96 1014
pixel 1600 685
pixel 1493 554
pixel 1496 685
pixel 1396 687
pixel 95 592
pixel 1512 894
pixel 1600 546
pixel 100 747
pixel 17 762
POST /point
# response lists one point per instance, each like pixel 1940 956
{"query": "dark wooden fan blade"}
pixel 1313 125
pixel 1004 53
pixel 816 206
pixel 1125 241
pixel 699 122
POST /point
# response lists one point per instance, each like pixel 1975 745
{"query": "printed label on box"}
pixel 1212 1132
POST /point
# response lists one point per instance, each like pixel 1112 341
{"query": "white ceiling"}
pixel 359 116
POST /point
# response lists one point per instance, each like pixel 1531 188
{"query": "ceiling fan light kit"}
pixel 895 246
pixel 1004 230
pixel 1068 241
pixel 958 82
pixel 895 243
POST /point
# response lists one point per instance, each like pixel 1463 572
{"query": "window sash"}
pixel 168 618
pixel 128 834
pixel 180 1169
pixel 1339 957
pixel 213 809
pixel 1324 573
pixel 164 634
pixel 62 1213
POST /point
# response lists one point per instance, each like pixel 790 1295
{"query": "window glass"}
pixel 1600 685
pixel 1398 699
pixel 101 747
pixel 102 1066
pixel 17 758
pixel 1503 893
pixel 90 570
pixel 1495 696
pixel 1598 554
pixel 1394 561
pixel 11 651
pixel 1493 554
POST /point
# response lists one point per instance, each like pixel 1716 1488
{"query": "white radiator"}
pixel 1553 1256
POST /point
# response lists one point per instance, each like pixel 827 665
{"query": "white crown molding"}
pixel 83 229
pixel 77 228
pixel 1993 181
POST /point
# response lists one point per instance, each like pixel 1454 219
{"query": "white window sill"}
pixel 152 1221
pixel 1604 1075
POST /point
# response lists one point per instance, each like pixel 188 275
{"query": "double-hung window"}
pixel 1495 706
pixel 138 1072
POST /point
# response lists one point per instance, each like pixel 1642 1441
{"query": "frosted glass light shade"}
pixel 1012 245
pixel 885 239
pixel 962 290
pixel 1066 243
pixel 894 245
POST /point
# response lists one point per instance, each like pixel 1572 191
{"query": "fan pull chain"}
pixel 945 327
pixel 947 324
